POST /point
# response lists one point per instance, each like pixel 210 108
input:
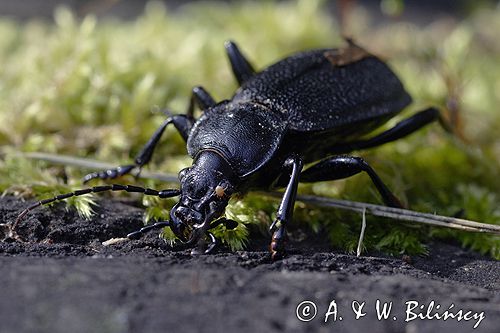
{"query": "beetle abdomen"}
pixel 317 94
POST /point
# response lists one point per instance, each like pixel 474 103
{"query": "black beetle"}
pixel 312 106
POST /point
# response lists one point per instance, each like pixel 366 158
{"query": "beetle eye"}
pixel 183 173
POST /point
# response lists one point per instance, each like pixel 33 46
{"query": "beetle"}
pixel 310 108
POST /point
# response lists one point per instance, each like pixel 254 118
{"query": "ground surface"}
pixel 65 280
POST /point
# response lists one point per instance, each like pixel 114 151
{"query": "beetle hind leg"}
pixel 340 167
pixel 406 127
pixel 400 130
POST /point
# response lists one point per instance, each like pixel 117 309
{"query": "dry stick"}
pixel 375 210
pixel 398 214
pixel 362 233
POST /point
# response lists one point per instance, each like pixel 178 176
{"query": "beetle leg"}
pixel 400 130
pixel 340 167
pixel 182 123
pixel 285 209
pixel 212 245
pixel 242 69
pixel 139 233
pixel 229 224
pixel 199 97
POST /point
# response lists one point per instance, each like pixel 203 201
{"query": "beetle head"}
pixel 206 188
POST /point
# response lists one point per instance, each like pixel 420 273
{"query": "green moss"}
pixel 94 88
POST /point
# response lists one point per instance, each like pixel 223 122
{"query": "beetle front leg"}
pixel 285 210
pixel 182 123
pixel 340 167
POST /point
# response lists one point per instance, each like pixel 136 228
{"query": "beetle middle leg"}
pixel 340 167
pixel 285 210
pixel 182 123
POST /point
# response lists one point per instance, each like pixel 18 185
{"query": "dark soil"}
pixel 64 280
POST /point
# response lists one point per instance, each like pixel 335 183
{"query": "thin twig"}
pixel 94 164
pixel 362 233
pixel 397 213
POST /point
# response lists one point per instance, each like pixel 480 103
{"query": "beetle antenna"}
pixel 168 193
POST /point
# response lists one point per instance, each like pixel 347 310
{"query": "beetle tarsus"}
pixel 199 249
pixel 278 244
pixel 213 243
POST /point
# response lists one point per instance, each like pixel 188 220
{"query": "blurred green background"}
pixel 90 84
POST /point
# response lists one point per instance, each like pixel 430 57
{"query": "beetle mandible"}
pixel 310 108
